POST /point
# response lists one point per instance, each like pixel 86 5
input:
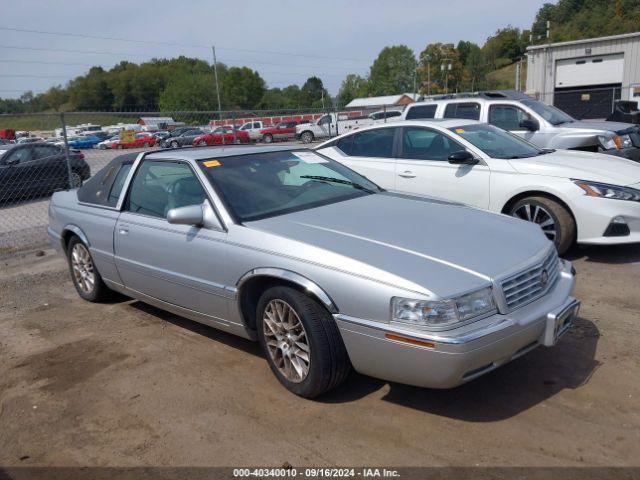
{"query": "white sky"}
pixel 330 37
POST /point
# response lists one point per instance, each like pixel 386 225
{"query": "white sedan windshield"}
pixel 496 142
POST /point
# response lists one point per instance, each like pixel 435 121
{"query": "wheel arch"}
pixel 70 230
pixel 538 193
pixel 253 283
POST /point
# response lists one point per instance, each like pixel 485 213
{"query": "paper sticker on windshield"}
pixel 211 163
pixel 459 130
pixel 309 157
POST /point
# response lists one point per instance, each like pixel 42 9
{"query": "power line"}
pixel 188 45
pixel 125 54
pixel 46 63
pixel 11 75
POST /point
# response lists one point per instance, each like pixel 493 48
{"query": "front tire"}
pixel 553 218
pixel 174 144
pixel 84 274
pixel 301 342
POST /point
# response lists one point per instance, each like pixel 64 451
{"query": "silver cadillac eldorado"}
pixel 321 266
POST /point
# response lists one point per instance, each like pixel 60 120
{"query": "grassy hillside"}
pixel 505 78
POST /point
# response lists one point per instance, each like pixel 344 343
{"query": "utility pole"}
pixel 215 75
pixel 446 68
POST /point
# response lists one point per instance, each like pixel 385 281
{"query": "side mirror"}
pixel 463 157
pixel 11 161
pixel 530 124
pixel 189 215
pixel 201 215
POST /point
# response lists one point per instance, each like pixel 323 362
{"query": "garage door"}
pixel 587 87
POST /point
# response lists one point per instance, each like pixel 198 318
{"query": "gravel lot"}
pixel 126 384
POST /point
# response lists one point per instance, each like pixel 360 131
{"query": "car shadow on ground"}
pixel 498 395
pixel 611 254
pixel 212 333
pixel 502 393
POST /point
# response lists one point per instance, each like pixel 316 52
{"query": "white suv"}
pixel 537 122
pixel 574 196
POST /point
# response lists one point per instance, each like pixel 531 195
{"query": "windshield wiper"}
pixel 544 151
pixel 338 180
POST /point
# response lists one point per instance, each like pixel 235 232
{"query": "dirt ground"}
pixel 126 384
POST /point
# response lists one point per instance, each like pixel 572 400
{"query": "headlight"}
pixel 442 313
pixel 625 141
pixel 603 190
pixel 608 142
pixel 615 142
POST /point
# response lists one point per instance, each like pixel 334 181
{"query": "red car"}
pixel 221 136
pixel 140 140
pixel 282 131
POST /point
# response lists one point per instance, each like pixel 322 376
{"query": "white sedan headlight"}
pixel 442 313
pixel 604 190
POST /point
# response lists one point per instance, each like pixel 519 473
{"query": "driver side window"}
pixel 507 117
pixel 160 186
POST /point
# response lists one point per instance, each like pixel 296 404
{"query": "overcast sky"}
pixel 330 38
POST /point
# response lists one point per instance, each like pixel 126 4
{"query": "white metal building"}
pixel 584 77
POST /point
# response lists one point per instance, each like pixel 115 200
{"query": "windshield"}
pixel 496 142
pixel 553 115
pixel 274 183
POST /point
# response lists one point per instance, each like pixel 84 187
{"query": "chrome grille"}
pixel 528 285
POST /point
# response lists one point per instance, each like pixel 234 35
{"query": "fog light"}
pixel 617 228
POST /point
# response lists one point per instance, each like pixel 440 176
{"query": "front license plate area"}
pixel 558 324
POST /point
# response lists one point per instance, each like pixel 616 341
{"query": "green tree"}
pixel 242 88
pixel 353 86
pixel 434 67
pixel 91 91
pixel 313 94
pixel 189 92
pixel 393 71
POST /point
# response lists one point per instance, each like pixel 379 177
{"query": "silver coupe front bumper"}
pixel 448 359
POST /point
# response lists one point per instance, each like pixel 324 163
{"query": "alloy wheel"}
pixel 76 180
pixel 286 340
pixel 538 214
pixel 82 266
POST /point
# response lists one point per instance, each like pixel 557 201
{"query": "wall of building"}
pixel 542 62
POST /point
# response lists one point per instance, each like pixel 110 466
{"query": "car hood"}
pixel 416 243
pixel 597 167
pixel 599 125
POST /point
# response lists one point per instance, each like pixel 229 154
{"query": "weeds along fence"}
pixel 43 153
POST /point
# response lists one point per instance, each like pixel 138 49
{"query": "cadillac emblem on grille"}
pixel 544 278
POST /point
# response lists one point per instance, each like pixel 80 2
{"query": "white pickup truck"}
pixel 253 129
pixel 329 126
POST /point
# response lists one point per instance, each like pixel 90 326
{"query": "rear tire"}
pixel 84 275
pixel 268 138
pixel 291 327
pixel 554 219
pixel 306 137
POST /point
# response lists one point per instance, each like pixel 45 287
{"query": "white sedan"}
pixel 588 198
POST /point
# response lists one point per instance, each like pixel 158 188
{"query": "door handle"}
pixel 407 174
pixel 123 231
